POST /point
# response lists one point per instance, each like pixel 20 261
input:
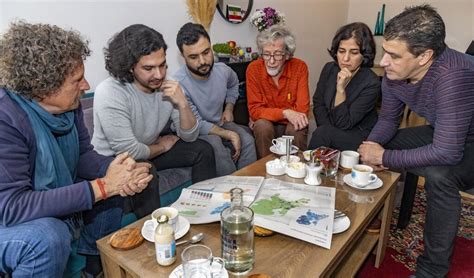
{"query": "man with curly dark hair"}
pixel 136 108
pixel 53 187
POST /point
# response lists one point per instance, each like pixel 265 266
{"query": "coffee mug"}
pixel 279 144
pixel 362 175
pixel 173 217
pixel 198 262
pixel 349 159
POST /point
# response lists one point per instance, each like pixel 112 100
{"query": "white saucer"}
pixel 178 271
pixel 148 232
pixel 294 149
pixel 341 224
pixel 376 184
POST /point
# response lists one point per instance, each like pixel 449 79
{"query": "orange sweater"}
pixel 266 101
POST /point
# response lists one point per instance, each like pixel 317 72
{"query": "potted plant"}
pixel 222 51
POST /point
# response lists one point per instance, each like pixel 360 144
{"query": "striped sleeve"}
pixel 389 116
pixel 454 108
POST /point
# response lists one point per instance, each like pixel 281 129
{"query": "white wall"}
pixel 99 20
pixel 313 22
pixel 457 15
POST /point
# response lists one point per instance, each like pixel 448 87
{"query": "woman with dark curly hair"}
pixel 53 186
pixel 347 90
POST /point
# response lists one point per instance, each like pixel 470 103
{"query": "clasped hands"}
pixel 126 177
pixel 371 154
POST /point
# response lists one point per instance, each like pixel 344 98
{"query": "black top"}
pixel 359 108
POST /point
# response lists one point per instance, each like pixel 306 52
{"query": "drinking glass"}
pixel 198 262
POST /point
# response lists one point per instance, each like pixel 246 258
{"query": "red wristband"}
pixel 101 184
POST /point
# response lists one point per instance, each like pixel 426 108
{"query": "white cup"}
pixel 279 144
pixel 362 175
pixel 199 262
pixel 349 159
pixel 173 217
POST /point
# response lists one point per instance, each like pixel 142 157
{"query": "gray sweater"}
pixel 127 119
pixel 207 97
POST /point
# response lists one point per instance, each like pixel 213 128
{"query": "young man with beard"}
pixel 134 107
pixel 437 83
pixel 212 90
pixel 277 91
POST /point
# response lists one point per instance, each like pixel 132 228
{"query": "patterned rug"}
pixel 406 245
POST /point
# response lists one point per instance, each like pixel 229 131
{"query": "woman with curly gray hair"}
pixel 51 180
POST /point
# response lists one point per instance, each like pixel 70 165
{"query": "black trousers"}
pixel 443 201
pixel 336 138
pixel 198 154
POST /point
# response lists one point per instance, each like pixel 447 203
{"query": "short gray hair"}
pixel 274 33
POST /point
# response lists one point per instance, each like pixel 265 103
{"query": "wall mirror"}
pixel 234 11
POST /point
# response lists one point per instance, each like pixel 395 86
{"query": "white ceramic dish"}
pixel 148 232
pixel 296 170
pixel 273 149
pixel 293 158
pixel 341 225
pixel 371 186
pixel 178 271
pixel 275 167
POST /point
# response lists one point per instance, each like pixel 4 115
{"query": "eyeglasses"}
pixel 276 56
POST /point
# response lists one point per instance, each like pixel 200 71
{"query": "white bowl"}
pixel 293 158
pixel 296 170
pixel 275 167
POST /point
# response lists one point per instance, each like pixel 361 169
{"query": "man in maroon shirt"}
pixel 437 83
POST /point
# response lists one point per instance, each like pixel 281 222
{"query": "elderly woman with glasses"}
pixel 347 91
pixel 277 91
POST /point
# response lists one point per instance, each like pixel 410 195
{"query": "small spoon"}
pixel 194 239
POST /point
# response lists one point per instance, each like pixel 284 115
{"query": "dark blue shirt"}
pixel 18 200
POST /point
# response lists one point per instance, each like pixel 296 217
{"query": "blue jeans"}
pixel 37 248
pixel 443 201
pixel 224 163
pixel 41 247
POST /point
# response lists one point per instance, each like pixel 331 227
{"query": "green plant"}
pixel 221 48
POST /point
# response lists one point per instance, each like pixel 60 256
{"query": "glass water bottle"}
pixel 237 235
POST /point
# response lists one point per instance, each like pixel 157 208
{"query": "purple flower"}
pixel 266 17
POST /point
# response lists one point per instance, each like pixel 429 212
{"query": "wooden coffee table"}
pixel 280 255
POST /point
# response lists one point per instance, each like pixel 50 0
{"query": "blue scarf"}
pixel 57 145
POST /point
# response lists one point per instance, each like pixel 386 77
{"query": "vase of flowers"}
pixel 266 17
